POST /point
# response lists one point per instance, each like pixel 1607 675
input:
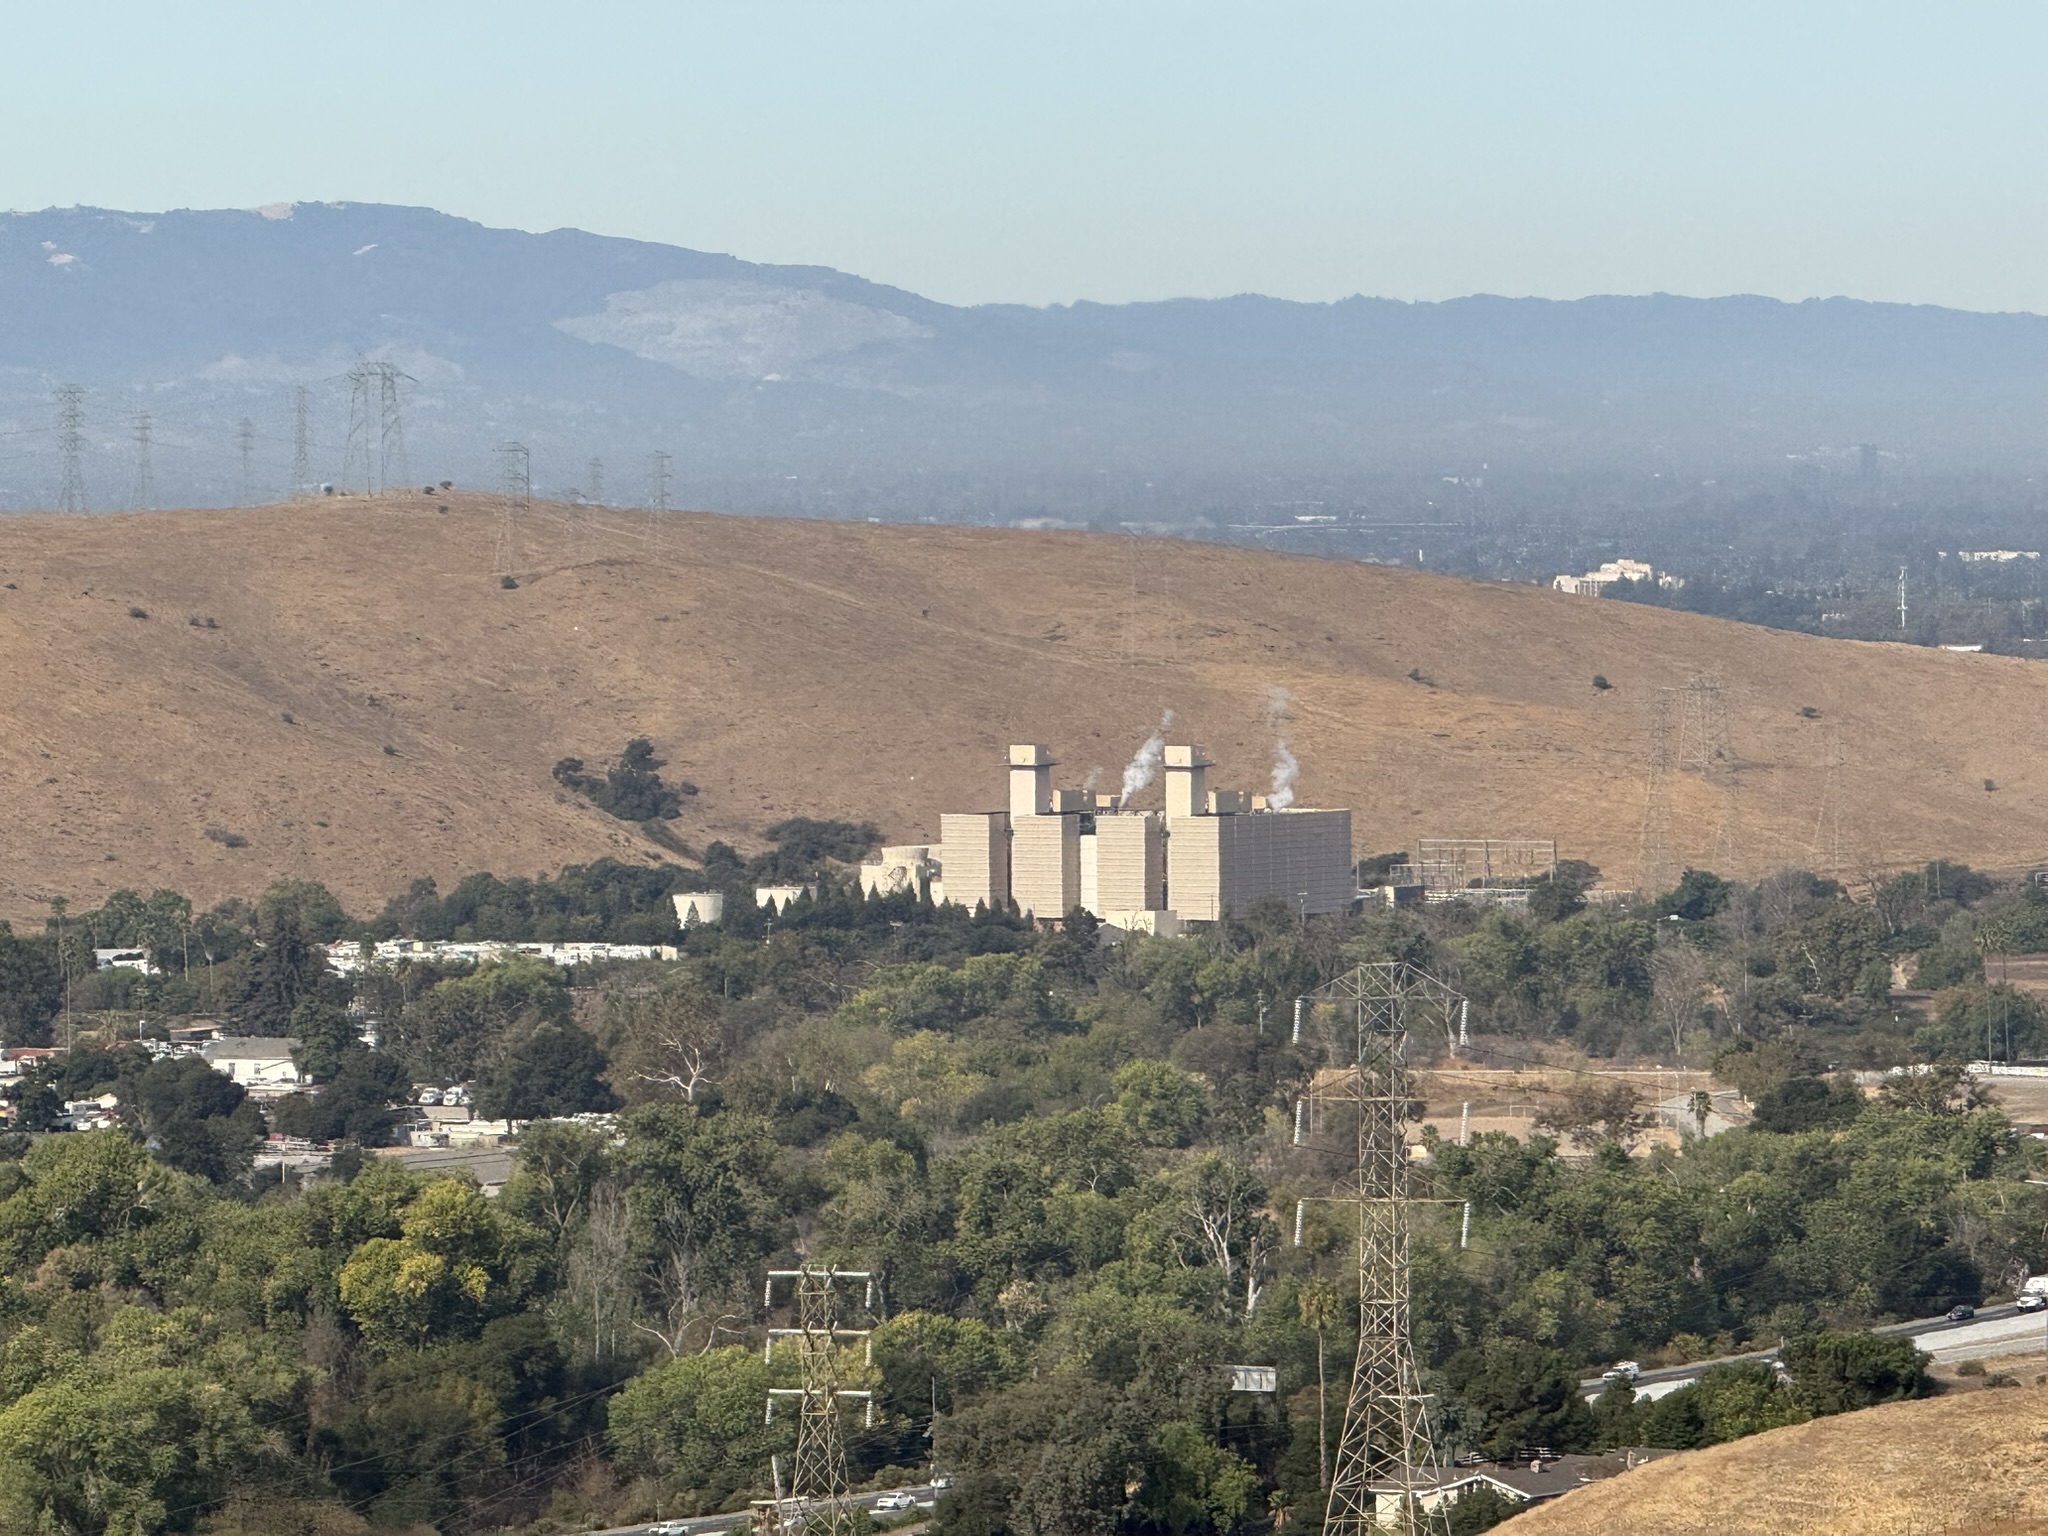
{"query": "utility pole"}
pixel 1902 600
pixel 145 473
pixel 816 1499
pixel 71 440
pixel 302 446
pixel 246 441
pixel 515 490
pixel 1385 1456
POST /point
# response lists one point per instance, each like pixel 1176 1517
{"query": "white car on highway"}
pixel 898 1500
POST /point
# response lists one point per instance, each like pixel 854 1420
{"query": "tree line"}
pixel 1070 1164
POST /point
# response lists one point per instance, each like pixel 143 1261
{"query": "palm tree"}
pixel 1319 1311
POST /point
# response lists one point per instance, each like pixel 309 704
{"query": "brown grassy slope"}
pixel 876 672
pixel 1957 1464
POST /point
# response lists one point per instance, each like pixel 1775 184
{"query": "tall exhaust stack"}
pixel 1030 781
pixel 1187 782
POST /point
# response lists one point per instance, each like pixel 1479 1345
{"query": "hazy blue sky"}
pixel 1109 150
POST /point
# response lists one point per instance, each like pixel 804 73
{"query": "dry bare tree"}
pixel 1678 972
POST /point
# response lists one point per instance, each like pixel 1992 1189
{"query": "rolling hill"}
pixel 875 672
pixel 1970 1465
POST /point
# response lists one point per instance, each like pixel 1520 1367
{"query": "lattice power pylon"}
pixel 515 491
pixel 1385 1455
pixel 1688 733
pixel 815 1502
pixel 375 449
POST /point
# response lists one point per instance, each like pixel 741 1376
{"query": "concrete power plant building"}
pixel 1207 855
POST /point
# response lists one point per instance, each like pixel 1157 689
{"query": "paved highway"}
pixel 1993 1331
pixel 704 1525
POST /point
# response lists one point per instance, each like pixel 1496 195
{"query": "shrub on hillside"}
pixel 630 787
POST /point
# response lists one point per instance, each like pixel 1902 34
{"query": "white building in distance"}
pixel 1611 573
pixel 254 1061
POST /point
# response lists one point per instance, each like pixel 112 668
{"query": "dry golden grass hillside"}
pixel 876 672
pixel 1974 1465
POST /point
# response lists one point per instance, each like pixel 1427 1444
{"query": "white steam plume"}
pixel 1144 767
pixel 1285 768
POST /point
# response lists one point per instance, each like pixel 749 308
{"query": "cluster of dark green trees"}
pixel 1067 1162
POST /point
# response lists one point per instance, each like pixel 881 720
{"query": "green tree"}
pixel 1728 1402
pixel 1836 1372
pixel 356 1104
pixel 551 1070
pixel 695 1422
pixel 1517 1393
pixel 1945 1088
pixel 1978 1022
pixel 194 1118
pixel 559 1164
pixel 1808 1104
pixel 1837 952
pixel 705 1199
pixel 284 969
pixel 1699 895
pixel 629 787
pixel 31 988
pixel 1160 1103
pixel 457 1262
pixel 327 1037
pixel 125 1451
pixel 449 1034
pixel 1193 1486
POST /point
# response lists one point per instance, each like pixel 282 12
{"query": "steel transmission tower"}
pixel 515 490
pixel 302 446
pixel 376 429
pixel 246 442
pixel 657 482
pixel 71 441
pixel 657 497
pixel 145 472
pixel 1688 729
pixel 816 1499
pixel 391 428
pixel 595 495
pixel 1385 1456
pixel 355 454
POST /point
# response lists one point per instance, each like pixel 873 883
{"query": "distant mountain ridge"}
pixel 780 388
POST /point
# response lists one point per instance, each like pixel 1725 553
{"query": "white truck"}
pixel 2033 1296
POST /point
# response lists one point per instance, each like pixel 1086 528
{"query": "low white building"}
pixel 133 958
pixel 254 1061
pixel 347 957
pixel 1611 573
pixel 776 897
